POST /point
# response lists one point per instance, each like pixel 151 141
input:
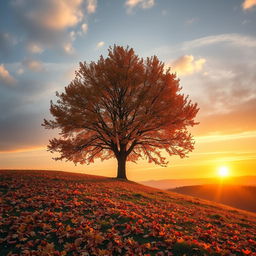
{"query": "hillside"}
pixel 60 213
pixel 174 183
pixel 242 197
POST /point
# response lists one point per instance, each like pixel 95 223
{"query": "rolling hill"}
pixel 242 197
pixel 174 183
pixel 59 213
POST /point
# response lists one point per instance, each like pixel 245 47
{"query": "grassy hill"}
pixel 60 213
pixel 242 197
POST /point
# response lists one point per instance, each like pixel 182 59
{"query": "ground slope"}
pixel 60 213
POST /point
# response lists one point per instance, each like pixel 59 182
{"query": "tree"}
pixel 125 107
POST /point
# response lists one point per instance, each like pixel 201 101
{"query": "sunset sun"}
pixel 223 171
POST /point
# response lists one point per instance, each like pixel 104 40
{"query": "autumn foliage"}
pixel 46 213
pixel 125 107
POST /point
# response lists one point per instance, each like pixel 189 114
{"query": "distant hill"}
pixel 242 197
pixel 173 183
pixel 54 213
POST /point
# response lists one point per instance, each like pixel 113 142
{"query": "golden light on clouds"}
pixel 142 3
pixel 187 65
pixel 247 4
pixel 24 150
pixel 5 76
pixel 65 13
pixel 225 137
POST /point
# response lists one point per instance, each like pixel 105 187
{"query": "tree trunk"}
pixel 121 170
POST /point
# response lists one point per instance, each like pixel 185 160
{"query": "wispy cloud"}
pixel 79 32
pixel 5 76
pixel 144 4
pixel 33 65
pixel 187 65
pixel 225 88
pixel 73 35
pixel 68 48
pixel 91 6
pixel 225 137
pixel 100 44
pixel 248 4
pixel 25 149
pixel 235 39
pixel 84 27
pixel 34 48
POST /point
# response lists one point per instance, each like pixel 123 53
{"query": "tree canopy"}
pixel 125 107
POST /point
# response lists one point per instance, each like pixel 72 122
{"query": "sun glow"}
pixel 223 171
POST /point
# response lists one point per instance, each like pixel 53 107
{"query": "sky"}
pixel 209 44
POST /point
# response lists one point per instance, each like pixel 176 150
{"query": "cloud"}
pixel 84 28
pixel 20 71
pixel 33 65
pixel 225 137
pixel 241 118
pixel 68 48
pixel 74 34
pixel 91 6
pixel 100 44
pixel 29 133
pixel 5 76
pixel 226 96
pixel 144 4
pixel 27 103
pixel 225 89
pixel 248 4
pixel 234 39
pixel 52 23
pixel 34 48
pixel 238 88
pixel 25 106
pixel 51 14
pixel 187 65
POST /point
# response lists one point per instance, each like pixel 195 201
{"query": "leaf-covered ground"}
pixel 60 213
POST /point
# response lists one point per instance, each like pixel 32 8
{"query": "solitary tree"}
pixel 125 107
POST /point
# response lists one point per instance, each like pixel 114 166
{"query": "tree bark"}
pixel 121 169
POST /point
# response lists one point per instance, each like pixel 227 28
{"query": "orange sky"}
pixel 236 151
